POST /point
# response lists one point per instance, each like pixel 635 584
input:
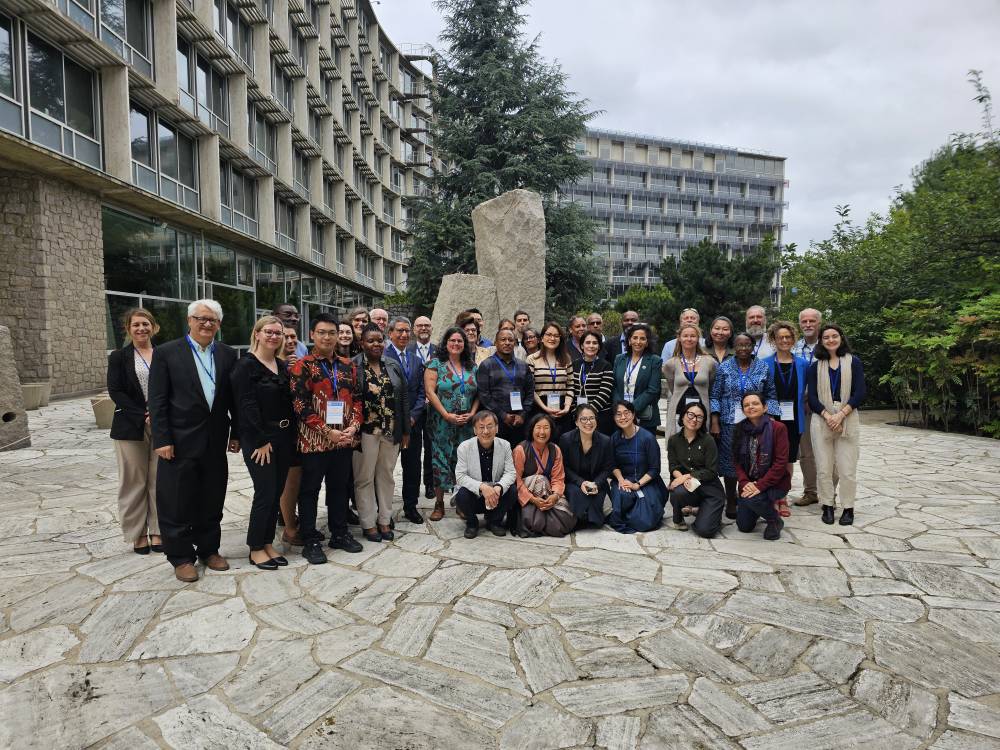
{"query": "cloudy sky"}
pixel 854 93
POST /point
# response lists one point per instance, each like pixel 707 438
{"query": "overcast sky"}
pixel 854 93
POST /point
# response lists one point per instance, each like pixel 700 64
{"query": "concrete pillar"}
pixel 312 58
pixel 324 27
pixel 238 123
pixel 165 47
pixel 316 180
pixel 300 103
pixel 286 168
pixel 303 235
pixel 209 177
pixel 114 115
pixel 279 24
pixel 265 209
pixel 262 57
pixel 204 10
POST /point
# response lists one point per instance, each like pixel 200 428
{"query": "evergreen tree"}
pixel 503 120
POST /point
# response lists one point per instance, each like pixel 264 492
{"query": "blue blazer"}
pixel 647 386
pixel 801 371
pixel 414 380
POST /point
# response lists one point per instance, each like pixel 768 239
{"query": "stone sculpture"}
pixel 13 418
pixel 460 291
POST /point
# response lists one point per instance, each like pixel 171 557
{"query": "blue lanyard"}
pixel 787 382
pixel 197 356
pixel 757 348
pixel 629 369
pixel 424 357
pixel 538 461
pixel 460 375
pixel 811 350
pixel 583 372
pixel 744 378
pixel 552 370
pixel 691 373
pixel 835 383
pixel 334 380
pixel 510 377
pixel 144 362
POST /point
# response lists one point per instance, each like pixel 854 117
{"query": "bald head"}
pixel 422 329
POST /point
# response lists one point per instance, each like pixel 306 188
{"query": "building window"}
pixel 263 140
pixel 284 226
pixel 239 200
pixel 388 277
pixel 316 127
pixel 125 28
pixel 203 89
pixel 301 174
pixel 341 254
pixel 11 118
pixel 297 44
pixel 163 159
pixel 281 88
pixel 328 193
pixel 62 99
pixel 236 32
pixel 346 118
pixel 349 213
pixel 318 246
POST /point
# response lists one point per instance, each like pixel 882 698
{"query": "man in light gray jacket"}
pixel 484 474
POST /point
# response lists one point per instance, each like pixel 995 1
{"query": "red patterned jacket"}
pixel 311 389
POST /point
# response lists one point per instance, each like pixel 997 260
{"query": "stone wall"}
pixel 52 281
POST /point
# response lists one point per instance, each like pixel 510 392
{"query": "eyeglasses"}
pixel 273 334
pixel 586 420
pixel 325 333
pixel 694 417
pixel 208 322
pixel 551 335
pixel 622 414
pixel 486 424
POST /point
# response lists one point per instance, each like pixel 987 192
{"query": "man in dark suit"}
pixel 193 421
pixel 413 371
pixel 426 350
pixel 613 346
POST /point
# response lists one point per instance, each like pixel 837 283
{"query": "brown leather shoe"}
pixel 293 540
pixel 809 499
pixel 438 513
pixel 186 572
pixel 216 562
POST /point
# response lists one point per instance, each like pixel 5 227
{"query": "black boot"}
pixel 847 517
pixel 828 514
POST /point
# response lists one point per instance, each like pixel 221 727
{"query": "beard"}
pixel 755 331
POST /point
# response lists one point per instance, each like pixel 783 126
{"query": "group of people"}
pixel 536 430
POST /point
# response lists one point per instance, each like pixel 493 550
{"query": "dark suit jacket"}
pixel 400 394
pixel 177 405
pixel 647 388
pixel 129 420
pixel 595 466
pixel 612 348
pixel 412 347
pixel 415 382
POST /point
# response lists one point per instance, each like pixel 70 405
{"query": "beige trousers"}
pixel 836 460
pixel 373 482
pixel 807 461
pixel 137 488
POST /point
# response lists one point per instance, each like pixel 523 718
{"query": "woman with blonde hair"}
pixel 128 387
pixel 267 434
pixel 688 374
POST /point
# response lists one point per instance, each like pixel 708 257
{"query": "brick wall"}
pixel 52 281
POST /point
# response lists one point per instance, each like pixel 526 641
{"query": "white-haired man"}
pixel 688 316
pixel 193 421
pixel 810 320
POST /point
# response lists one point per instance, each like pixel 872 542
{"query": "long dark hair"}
pixel 561 356
pixel 650 344
pixel 844 348
pixel 466 357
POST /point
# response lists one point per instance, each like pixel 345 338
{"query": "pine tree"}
pixel 504 119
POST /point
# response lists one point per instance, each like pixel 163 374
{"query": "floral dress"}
pixel 727 391
pixel 456 390
pixel 378 402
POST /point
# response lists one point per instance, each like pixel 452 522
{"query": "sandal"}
pixel 782 507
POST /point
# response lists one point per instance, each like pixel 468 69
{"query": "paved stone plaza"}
pixel 885 635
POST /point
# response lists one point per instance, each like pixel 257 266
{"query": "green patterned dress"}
pixel 456 391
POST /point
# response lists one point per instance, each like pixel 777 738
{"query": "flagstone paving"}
pixel 882 634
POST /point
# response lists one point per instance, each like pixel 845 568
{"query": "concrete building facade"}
pixel 653 197
pixel 156 151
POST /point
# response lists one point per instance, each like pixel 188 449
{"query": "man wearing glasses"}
pixel 193 422
pixel 484 475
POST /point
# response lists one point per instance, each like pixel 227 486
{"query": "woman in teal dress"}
pixel 450 383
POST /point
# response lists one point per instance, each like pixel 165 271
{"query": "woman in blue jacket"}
pixel 788 373
pixel 637 377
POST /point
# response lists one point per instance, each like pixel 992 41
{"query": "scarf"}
pixel 825 393
pixel 756 446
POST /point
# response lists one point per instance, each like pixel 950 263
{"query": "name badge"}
pixel 630 397
pixel 335 413
pixel 738 415
pixel 515 401
pixel 554 401
pixel 581 400
pixel 692 400
pixel 787 411
pixel 640 493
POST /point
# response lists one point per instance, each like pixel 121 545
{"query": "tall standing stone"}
pixel 13 418
pixel 510 248
pixel 460 291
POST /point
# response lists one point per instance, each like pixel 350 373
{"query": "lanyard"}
pixel 147 363
pixel 629 369
pixel 690 373
pixel 538 461
pixel 744 379
pixel 552 370
pixel 334 380
pixel 507 372
pixel 424 352
pixel 633 444
pixel 757 347
pixel 810 348
pixel 459 374
pixel 197 356
pixel 787 382
pixel 835 383
pixel 583 372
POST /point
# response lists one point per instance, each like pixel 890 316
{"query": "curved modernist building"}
pixel 156 151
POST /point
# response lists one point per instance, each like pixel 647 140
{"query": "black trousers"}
pixel 473 504
pixel 586 507
pixel 709 498
pixel 333 467
pixel 268 483
pixel 513 435
pixel 410 460
pixel 749 509
pixel 190 495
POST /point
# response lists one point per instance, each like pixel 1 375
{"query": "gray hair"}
pixel 484 414
pixel 756 307
pixel 396 320
pixel 211 304
pixel 812 310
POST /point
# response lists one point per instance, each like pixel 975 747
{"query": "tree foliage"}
pixel 504 119
pixel 918 290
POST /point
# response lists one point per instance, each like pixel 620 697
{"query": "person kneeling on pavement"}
pixel 485 475
pixel 695 488
pixel 760 456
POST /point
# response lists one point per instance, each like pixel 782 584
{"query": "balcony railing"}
pixel 64 139
pixel 286 243
pixel 263 159
pixel 239 221
pixel 126 51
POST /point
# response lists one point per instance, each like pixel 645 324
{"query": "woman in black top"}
pixel 594 382
pixel 694 486
pixel 128 387
pixel 587 461
pixel 267 434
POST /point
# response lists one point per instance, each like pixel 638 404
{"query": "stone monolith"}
pixel 13 418
pixel 460 291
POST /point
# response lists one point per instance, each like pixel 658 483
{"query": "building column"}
pixel 238 105
pixel 115 116
pixel 165 47
pixel 265 209
pixel 209 177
